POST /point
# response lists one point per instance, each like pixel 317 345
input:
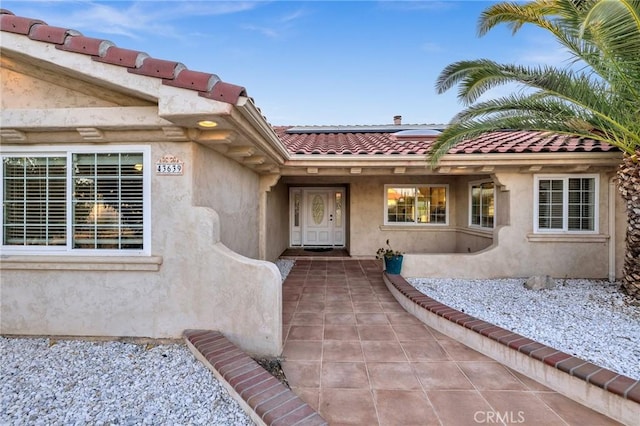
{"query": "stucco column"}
pixel 266 183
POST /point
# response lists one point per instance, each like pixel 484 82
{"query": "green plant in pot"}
pixel 392 258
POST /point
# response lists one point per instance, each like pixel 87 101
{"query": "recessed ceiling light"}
pixel 207 123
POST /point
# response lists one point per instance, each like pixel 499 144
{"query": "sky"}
pixel 312 62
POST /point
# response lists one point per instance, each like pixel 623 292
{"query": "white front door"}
pixel 317 217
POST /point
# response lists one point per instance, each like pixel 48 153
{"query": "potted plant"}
pixel 392 258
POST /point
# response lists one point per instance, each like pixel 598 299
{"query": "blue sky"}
pixel 311 62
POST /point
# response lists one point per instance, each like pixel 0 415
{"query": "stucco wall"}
pixel 517 252
pixel 232 191
pixel 277 221
pixel 200 283
pixel 367 209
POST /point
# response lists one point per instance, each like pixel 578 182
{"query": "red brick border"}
pixel 271 401
pixel 606 379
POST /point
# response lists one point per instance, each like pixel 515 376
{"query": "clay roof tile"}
pixel 172 73
pixel 123 57
pixel 55 35
pixel 87 45
pixel 194 80
pixel 16 24
pixel 159 68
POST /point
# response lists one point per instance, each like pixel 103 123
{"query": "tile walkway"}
pixel 357 357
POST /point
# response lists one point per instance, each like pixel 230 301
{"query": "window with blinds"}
pixel 34 201
pixel 76 201
pixel 566 204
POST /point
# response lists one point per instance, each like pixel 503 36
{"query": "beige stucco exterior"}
pixel 202 268
pixel 216 230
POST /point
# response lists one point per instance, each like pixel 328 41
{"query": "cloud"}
pixel 431 47
pixel 132 19
pixel 418 5
pixel 281 26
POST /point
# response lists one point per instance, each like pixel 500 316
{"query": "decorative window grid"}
pixel 76 201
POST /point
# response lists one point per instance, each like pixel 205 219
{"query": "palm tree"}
pixel 596 96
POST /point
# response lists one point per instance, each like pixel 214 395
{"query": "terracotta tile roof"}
pixel 523 141
pixel 347 143
pixel 323 141
pixel 172 73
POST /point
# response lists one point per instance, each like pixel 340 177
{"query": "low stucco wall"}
pixel 510 259
pixel 200 284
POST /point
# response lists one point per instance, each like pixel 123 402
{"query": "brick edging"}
pixel 608 380
pixel 271 401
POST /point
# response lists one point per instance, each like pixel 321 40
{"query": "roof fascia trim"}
pixel 250 112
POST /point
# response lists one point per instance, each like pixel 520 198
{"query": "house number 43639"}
pixel 169 168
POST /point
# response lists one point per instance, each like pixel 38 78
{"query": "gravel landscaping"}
pixel 73 382
pixel 60 382
pixel 592 320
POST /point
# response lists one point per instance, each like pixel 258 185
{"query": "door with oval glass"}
pixel 322 217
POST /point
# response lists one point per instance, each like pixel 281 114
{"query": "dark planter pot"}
pixel 393 264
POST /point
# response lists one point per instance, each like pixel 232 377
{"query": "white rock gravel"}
pixel 72 382
pixel 69 382
pixel 592 320
pixel 285 265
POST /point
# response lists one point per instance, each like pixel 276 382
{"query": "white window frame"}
pixel 416 186
pixel 495 204
pixel 565 203
pixel 68 151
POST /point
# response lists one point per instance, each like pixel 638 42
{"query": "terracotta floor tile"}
pixel 572 412
pixel 460 408
pixel 308 318
pixel 348 406
pixel 302 350
pixel 371 318
pixel 344 375
pixel 441 375
pixel 416 409
pixel 376 332
pixel 310 307
pixel 314 288
pixel 312 297
pixel 309 395
pixel 391 307
pixel 388 297
pixel 375 351
pixel 336 350
pixel 425 350
pixel 338 297
pixel 305 332
pixel 529 382
pixel 364 298
pixel 412 332
pixel 403 318
pixel 490 376
pixel 521 408
pixel 460 352
pixel 392 375
pixel 346 307
pixel 289 296
pixel 438 335
pixel 339 318
pixel 367 307
pixel 304 374
pixel 341 332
